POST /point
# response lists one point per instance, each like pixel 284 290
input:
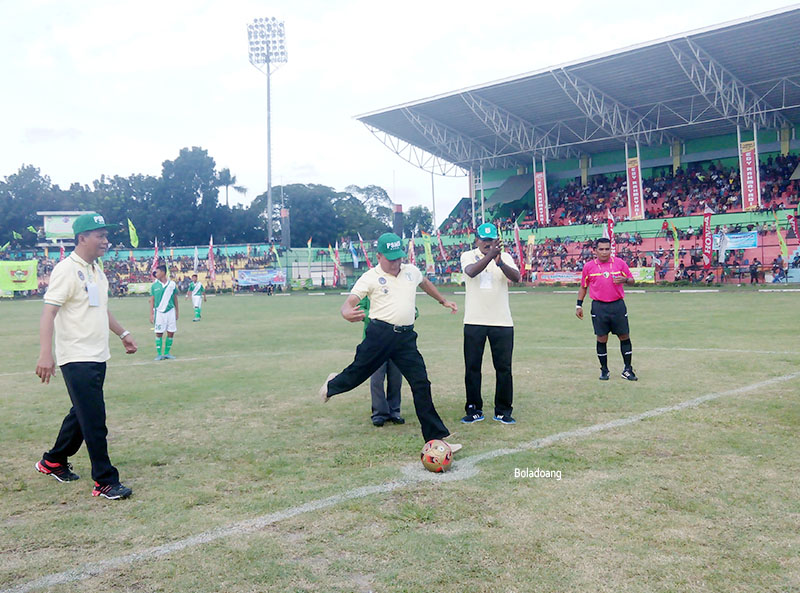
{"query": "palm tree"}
pixel 225 179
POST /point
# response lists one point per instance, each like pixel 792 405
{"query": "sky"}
pixel 95 88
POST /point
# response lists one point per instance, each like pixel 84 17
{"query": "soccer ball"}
pixel 436 456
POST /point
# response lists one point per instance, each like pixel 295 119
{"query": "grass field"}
pixel 231 435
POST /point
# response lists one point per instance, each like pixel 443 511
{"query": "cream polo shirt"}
pixel 81 330
pixel 486 302
pixel 391 298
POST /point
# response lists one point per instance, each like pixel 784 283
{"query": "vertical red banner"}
pixel 708 238
pixel 542 214
pixel 635 197
pixel 751 199
pixel 608 233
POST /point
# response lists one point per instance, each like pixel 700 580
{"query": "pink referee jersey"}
pixel 598 277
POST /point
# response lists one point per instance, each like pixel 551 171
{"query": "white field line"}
pixel 464 468
pixel 440 349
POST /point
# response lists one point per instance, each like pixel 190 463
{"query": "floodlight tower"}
pixel 267 39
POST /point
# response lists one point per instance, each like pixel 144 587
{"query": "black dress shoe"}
pixel 397 420
pixel 378 422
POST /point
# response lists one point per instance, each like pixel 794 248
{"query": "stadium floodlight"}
pixel 267 49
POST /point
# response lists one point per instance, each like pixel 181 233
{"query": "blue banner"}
pixel 260 277
pixel 739 241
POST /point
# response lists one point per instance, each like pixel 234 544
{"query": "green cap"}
pixel 390 246
pixel 487 231
pixel 90 222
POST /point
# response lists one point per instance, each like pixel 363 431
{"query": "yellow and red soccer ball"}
pixel 436 456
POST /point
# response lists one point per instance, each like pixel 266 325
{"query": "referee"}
pixel 604 278
pixel 392 289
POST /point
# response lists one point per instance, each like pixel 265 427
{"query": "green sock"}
pixel 159 341
pixel 197 312
pixel 169 346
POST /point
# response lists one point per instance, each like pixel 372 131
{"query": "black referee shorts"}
pixel 610 318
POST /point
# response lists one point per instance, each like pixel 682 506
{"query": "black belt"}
pixel 399 329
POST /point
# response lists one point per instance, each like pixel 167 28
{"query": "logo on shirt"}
pixel 606 274
pixel 381 280
pixel 80 275
pixel 385 290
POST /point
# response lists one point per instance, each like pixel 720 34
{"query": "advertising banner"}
pixel 558 277
pixel 59 226
pixel 18 275
pixel 542 213
pixel 644 274
pixel 739 240
pixel 260 277
pixel 139 288
pixel 708 238
pixel 751 197
pixel 635 195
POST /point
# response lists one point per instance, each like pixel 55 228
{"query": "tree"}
pixel 311 210
pixel 375 200
pixel 226 180
pixel 418 219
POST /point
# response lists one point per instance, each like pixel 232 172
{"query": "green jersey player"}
pixel 198 294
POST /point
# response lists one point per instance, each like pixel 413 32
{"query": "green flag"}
pixel 4 247
pixel 133 235
pixel 781 240
pixel 16 235
pixel 18 275
pixel 31 229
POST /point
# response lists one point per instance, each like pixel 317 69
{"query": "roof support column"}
pixel 585 170
pixel 785 136
pixel 677 149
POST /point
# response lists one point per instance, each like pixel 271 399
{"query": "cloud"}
pixel 41 135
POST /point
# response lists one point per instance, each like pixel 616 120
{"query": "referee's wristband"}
pixel 580 303
pixel 124 334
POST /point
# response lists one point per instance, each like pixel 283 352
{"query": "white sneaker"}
pixel 323 391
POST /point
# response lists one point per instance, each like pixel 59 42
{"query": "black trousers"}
pixel 386 402
pixel 86 421
pixel 501 341
pixel 382 343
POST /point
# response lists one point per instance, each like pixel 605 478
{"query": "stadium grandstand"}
pixel 553 152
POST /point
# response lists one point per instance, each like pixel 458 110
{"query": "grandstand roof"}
pixel 692 85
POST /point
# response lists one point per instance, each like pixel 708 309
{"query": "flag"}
pixel 723 247
pixel 676 246
pixel 354 254
pixel 275 253
pixel 16 235
pixel 210 265
pixel 793 221
pixel 61 253
pixel 340 275
pixel 441 247
pixel 155 258
pixel 519 251
pixel 18 275
pixel 308 245
pixel 608 232
pixel 364 251
pixel 708 238
pixel 335 266
pixel 132 233
pixel 32 229
pixel 4 247
pixel 426 242
pixel 196 262
pixel 781 240
pixel 412 258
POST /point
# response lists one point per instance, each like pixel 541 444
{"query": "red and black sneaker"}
pixel 112 491
pixel 60 471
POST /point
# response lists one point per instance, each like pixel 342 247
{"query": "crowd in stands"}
pixel 685 193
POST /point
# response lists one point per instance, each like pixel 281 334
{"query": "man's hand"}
pixel 451 305
pixel 621 279
pixel 152 317
pixel 130 344
pixel 579 312
pixel 45 367
pixel 353 314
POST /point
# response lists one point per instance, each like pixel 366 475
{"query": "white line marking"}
pixel 465 468
pixel 699 290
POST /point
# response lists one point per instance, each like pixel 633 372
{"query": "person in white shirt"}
pixel 488 270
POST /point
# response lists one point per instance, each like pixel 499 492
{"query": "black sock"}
pixel 601 355
pixel 627 351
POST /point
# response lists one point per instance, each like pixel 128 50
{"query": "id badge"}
pixel 486 280
pixel 94 294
